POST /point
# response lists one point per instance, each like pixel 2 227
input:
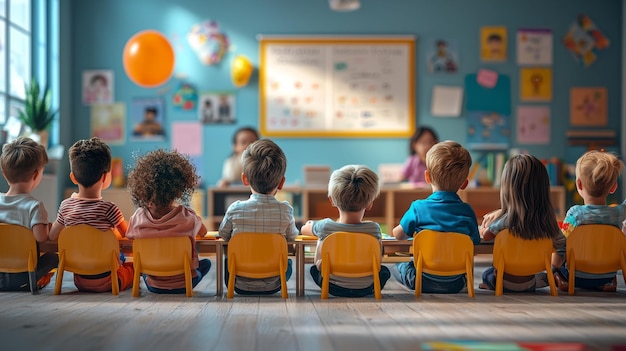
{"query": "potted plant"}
pixel 37 113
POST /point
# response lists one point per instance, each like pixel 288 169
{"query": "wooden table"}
pixel 202 245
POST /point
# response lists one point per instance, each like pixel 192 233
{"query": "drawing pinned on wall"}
pixel 185 97
pixel 108 122
pixel 534 47
pixel 148 119
pixel 584 40
pixel 208 42
pixel 97 87
pixel 588 106
pixel 447 101
pixel 493 44
pixel 533 125
pixel 217 107
pixel 536 84
pixel 443 56
pixel 487 131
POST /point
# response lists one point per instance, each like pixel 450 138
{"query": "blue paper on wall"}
pixel 480 98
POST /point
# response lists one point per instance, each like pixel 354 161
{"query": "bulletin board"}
pixel 337 86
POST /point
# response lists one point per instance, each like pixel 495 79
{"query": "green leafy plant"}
pixel 37 112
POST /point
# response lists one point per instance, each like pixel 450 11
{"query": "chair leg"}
pixel 231 277
pixel 418 275
pixel 32 281
pixel 115 285
pixel 551 282
pixel 469 275
pixel 188 285
pixel 60 269
pixel 283 279
pixel 376 275
pixel 499 280
pixel 325 279
pixel 136 273
pixel 571 280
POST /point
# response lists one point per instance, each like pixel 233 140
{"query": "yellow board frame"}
pixel 409 41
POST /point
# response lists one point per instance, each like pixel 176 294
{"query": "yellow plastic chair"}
pixel 84 249
pixel 18 252
pixel 257 255
pixel 596 249
pixel 350 255
pixel 518 256
pixel 443 253
pixel 162 257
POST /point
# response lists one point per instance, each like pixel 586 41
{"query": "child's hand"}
pixel 490 217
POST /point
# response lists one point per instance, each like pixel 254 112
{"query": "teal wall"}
pixel 95 33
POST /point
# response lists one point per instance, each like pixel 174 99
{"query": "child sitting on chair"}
pixel 352 189
pixel 596 177
pixel 264 165
pixel 447 168
pixel 90 164
pixel 161 185
pixel 22 163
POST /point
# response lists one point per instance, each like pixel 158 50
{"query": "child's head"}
pixel 161 177
pixel 90 159
pixel 448 164
pixel 21 158
pixel 150 113
pixel 421 141
pixel 243 137
pixel 525 198
pixel 353 187
pixel 597 172
pixel 264 165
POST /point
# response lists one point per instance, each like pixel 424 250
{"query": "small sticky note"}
pixel 487 78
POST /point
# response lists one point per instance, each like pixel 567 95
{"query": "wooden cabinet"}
pixel 388 208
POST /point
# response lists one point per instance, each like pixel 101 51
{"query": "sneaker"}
pixel 610 286
pixel 44 281
pixel 561 282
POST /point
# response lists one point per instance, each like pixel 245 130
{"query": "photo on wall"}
pixel 443 56
pixel 97 87
pixel 217 108
pixel 148 119
pixel 493 44
pixel 108 122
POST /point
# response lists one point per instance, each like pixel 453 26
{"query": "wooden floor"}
pixel 81 321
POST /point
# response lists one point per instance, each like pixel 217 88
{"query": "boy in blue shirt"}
pixel 447 168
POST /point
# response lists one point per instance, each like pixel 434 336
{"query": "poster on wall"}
pixel 217 107
pixel 487 130
pixel 97 87
pixel 588 106
pixel 337 87
pixel 108 122
pixel 493 44
pixel 533 125
pixel 584 40
pixel 534 47
pixel 536 84
pixel 148 119
pixel 443 56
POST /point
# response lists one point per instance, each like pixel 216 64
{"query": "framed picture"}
pixel 108 122
pixel 148 119
pixel 97 87
pixel 217 107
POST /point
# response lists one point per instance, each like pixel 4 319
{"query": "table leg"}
pixel 299 269
pixel 219 270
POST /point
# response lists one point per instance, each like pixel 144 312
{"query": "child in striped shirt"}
pixel 90 163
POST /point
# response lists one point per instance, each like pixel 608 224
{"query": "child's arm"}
pixel 307 228
pixel 399 233
pixel 40 231
pixel 202 231
pixel 486 234
pixel 122 228
pixel 55 230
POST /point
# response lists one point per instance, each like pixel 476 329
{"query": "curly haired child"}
pixel 90 163
pixel 161 185
pixel 22 164
pixel 596 177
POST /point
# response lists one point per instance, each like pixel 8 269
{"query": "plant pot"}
pixel 41 137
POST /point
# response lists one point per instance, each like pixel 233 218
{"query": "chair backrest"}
pixel 18 249
pixel 87 250
pixel 257 255
pixel 443 253
pixel 162 256
pixel 596 248
pixel 520 256
pixel 351 254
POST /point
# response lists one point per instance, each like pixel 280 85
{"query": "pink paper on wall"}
pixel 487 78
pixel 187 138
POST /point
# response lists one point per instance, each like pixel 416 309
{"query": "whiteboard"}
pixel 337 86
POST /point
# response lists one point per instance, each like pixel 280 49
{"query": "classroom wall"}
pixel 95 32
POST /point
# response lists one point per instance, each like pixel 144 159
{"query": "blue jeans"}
pixel 204 266
pixel 404 272
pixel 337 290
pixel 252 292
pixel 20 281
pixel 585 283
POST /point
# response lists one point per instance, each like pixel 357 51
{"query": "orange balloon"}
pixel 148 58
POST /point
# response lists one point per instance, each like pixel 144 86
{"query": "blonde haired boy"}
pixel 447 167
pixel 352 189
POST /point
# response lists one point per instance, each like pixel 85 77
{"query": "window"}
pixel 15 60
